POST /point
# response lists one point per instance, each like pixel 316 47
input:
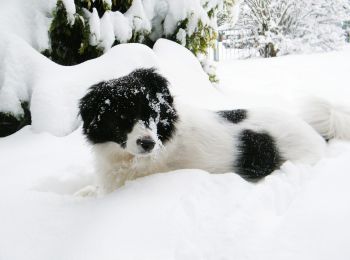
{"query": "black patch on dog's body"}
pixel 258 155
pixel 234 116
pixel 111 108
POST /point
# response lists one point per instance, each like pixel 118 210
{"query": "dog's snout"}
pixel 147 144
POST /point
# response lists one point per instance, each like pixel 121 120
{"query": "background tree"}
pixel 282 26
pixel 228 14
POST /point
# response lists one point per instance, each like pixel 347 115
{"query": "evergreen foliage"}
pixel 102 5
pixel 199 41
pixel 226 14
pixel 71 38
pixel 70 41
pixel 10 123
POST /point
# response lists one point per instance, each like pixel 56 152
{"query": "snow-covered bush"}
pixel 10 123
pixel 84 29
pixel 70 36
pixel 196 30
pixel 283 26
pixel 209 68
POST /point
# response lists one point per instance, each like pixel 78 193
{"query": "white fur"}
pixel 204 140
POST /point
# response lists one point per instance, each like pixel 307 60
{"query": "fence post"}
pixel 216 52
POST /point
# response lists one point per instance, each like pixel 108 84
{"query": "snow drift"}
pixel 299 212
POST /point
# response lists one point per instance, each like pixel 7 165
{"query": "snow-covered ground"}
pixel 299 212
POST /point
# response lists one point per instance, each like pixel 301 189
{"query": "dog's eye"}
pixel 122 117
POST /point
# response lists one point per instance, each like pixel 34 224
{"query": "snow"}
pixel 122 29
pixel 322 75
pixel 181 36
pixel 190 80
pixel 180 10
pixel 138 18
pixel 31 19
pixel 299 212
pixel 301 26
pixel 95 27
pixel 20 64
pixel 70 9
pixel 28 20
pixel 107 31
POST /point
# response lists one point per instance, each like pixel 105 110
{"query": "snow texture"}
pixel 152 17
pixel 138 18
pixel 122 29
pixel 70 9
pixel 299 212
pixel 95 27
pixel 28 20
pixel 300 26
pixel 107 31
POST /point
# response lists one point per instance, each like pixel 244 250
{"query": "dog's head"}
pixel 135 111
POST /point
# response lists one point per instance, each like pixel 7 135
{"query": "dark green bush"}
pixel 70 41
pixel 10 123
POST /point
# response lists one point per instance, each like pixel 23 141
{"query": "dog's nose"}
pixel 146 143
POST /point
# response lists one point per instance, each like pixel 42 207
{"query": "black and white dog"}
pixel 136 129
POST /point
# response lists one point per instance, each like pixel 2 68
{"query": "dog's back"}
pixel 255 142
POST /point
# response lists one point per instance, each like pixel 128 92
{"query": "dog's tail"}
pixel 330 121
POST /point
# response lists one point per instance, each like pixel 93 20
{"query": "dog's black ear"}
pixel 88 104
pixel 93 111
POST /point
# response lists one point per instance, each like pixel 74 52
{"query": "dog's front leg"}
pixel 113 179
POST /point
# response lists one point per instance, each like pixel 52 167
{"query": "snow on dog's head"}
pixel 135 111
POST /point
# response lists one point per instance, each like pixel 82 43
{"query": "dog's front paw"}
pixel 88 191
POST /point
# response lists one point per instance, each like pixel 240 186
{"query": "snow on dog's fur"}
pixel 136 129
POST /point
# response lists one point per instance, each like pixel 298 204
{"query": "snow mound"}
pixel 189 83
pixel 54 90
pixel 299 212
pixel 28 20
pixel 21 68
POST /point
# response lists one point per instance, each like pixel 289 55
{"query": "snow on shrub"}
pixel 72 39
pixel 83 30
pixel 19 72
